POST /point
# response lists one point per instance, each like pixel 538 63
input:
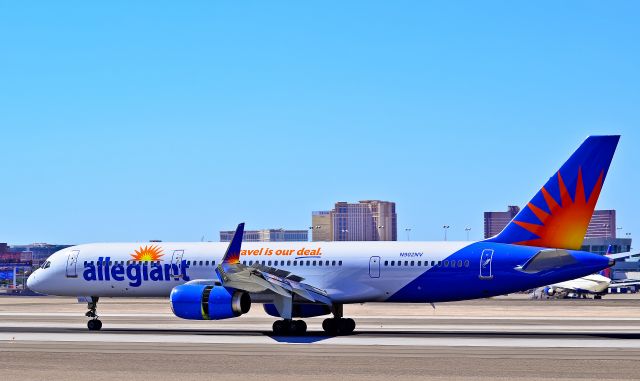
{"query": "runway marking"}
pixel 357 340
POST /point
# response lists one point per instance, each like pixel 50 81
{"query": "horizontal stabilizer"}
pixel 546 260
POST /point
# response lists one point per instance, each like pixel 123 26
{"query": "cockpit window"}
pixel 45 265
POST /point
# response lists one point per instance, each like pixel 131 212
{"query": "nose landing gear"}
pixel 94 324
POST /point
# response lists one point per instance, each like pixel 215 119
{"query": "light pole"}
pixel 380 227
pixel 345 231
pixel 618 228
pixel 408 230
pixel 445 227
pixel 467 229
pixel 606 232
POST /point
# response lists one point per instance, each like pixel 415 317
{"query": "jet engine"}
pixel 206 302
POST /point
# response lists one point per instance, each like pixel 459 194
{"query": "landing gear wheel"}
pixel 289 327
pixel 338 326
pixel 298 327
pixel 94 325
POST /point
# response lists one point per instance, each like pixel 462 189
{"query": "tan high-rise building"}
pixel 602 224
pixel 494 222
pixel 321 226
pixel 368 220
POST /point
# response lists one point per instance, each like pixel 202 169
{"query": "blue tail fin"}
pixel 559 214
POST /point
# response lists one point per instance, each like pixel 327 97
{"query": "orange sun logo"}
pixel 148 253
pixel 567 223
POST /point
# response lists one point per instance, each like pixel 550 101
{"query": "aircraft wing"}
pixel 628 254
pixel 259 278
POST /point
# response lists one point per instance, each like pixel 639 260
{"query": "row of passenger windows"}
pixel 294 263
pixel 111 263
pixel 213 263
pixel 445 263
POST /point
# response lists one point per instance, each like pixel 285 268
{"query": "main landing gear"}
pixel 94 324
pixel 289 327
pixel 337 325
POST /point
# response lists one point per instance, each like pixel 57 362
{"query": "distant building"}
pixel 368 220
pixel 599 245
pixel 602 224
pixel 268 235
pixel 321 226
pixel 494 222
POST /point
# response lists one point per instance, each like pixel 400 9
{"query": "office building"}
pixel 268 235
pixel 602 224
pixel 494 222
pixel 367 220
pixel 321 226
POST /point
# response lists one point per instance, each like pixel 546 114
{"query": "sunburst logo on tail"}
pixel 566 222
pixel 147 253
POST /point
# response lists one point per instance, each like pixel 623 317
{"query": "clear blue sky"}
pixel 128 121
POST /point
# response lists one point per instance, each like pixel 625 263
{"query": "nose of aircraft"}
pixel 33 282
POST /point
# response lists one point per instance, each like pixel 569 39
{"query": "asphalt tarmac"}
pixel 44 338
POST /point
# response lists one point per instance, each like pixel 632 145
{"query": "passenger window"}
pixel 439 263
pixel 200 263
pixel 433 263
pixel 295 263
pixel 288 263
pixel 244 263
pixel 386 263
pixel 446 263
pixel 333 263
pixel 308 263
pixel 319 263
pixel 206 263
pixel 269 263
pixel 412 263
pixel 326 263
pixel 393 263
pixel 466 263
pixel 314 263
pixel 339 263
pixel 406 263
pixel 459 262
pixel 263 263
pixel 453 263
pixel 419 263
pixel 213 263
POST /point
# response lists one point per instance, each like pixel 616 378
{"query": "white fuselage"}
pixel 348 271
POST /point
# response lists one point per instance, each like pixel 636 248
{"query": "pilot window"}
pixel 46 265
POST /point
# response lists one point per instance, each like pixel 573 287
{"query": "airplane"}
pixel 593 284
pixel 295 280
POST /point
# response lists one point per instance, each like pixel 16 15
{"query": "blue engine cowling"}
pixel 300 310
pixel 202 302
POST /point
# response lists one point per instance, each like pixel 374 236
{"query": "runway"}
pixel 502 338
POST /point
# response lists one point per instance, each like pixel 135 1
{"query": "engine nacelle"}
pixel 201 302
pixel 300 310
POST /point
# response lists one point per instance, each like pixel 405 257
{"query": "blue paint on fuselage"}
pixel 443 284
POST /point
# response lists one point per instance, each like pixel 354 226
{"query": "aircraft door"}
pixel 72 264
pixel 176 262
pixel 374 267
pixel 485 264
